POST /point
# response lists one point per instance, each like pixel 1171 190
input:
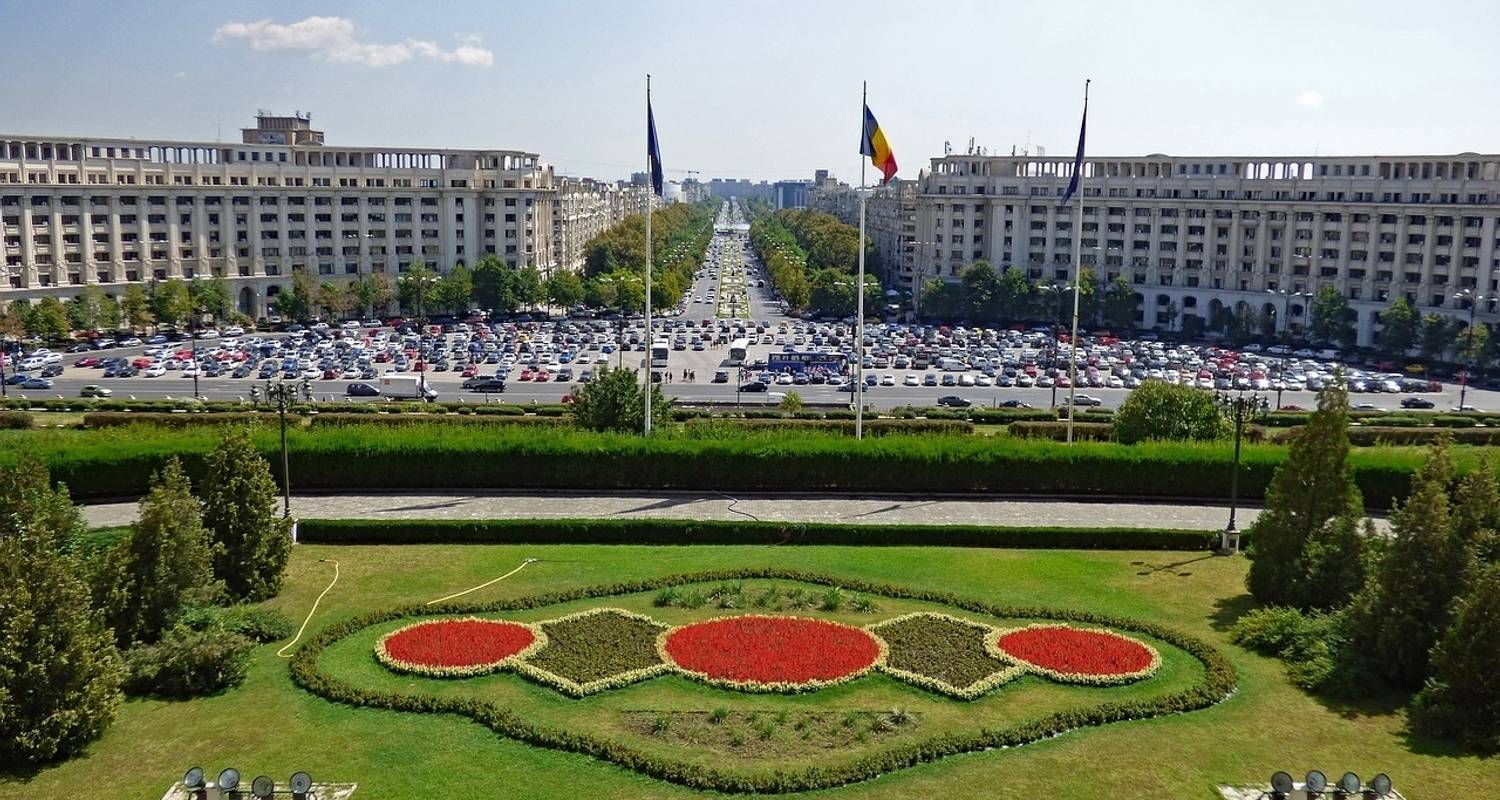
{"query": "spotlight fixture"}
pixel 300 784
pixel 229 780
pixel 1381 785
pixel 1281 785
pixel 1350 783
pixel 262 787
pixel 193 779
pixel 1317 782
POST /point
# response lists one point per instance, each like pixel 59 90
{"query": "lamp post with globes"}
pixel 1474 300
pixel 283 394
pixel 1240 408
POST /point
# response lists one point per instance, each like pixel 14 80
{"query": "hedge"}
pixel 339 418
pixel 873 425
pixel 1218 682
pixel 115 419
pixel 1372 435
pixel 15 420
pixel 697 532
pixel 116 462
pixel 1083 430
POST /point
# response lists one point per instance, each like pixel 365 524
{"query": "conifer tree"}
pixel 1461 699
pixel 165 566
pixel 252 542
pixel 59 671
pixel 1307 544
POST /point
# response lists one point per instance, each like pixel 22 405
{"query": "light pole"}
pixel 283 395
pixel 1241 409
pixel 1286 331
pixel 1474 301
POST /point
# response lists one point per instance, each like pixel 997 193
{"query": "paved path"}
pixel 694 505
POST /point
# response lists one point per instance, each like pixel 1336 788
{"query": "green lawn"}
pixel 269 725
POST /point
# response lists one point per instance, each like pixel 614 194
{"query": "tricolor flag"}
pixel 1078 159
pixel 653 150
pixel 872 143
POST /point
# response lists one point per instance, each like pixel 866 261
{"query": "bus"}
pixel 659 351
pixel 738 350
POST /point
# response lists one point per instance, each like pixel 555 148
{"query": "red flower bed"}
pixel 456 646
pixel 1090 656
pixel 761 653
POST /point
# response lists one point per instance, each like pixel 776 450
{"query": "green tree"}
pixel 455 290
pixel 790 403
pixel 136 306
pixel 1015 294
pixel 564 289
pixel 1473 345
pixel 1331 317
pixel 982 291
pixel 109 314
pixel 1437 336
pixel 416 287
pixel 1307 544
pixel 166 564
pixel 373 293
pixel 251 541
pixel 296 303
pixel 87 308
pixel 170 302
pixel 331 298
pixel 1461 698
pixel 1161 410
pixel 1400 327
pixel 1119 306
pixel 615 401
pixel 211 295
pixel 1405 609
pixel 60 674
pixel 530 289
pixel 494 284
pixel 48 319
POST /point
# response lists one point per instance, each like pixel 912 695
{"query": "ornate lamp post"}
pixel 1241 408
pixel 283 395
pixel 1286 330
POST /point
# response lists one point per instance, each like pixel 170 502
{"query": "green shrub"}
pixel 114 419
pixel 1394 421
pixel 1310 644
pixel 873 426
pixel 1058 431
pixel 188 663
pixel 257 624
pixel 1454 421
pixel 15 420
pixel 1161 410
pixel 341 418
pixel 1005 416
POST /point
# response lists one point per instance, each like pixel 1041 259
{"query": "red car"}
pixel 527 374
pixel 542 376
pixel 472 370
pixel 86 361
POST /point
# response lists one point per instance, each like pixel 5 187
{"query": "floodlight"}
pixel 1281 784
pixel 300 784
pixel 1350 783
pixel 229 779
pixel 1317 782
pixel 193 779
pixel 262 787
pixel 1381 784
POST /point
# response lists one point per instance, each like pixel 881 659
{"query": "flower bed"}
pixel 771 653
pixel 943 653
pixel 1077 655
pixel 594 650
pixel 458 648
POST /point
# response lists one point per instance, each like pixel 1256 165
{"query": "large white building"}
pixel 1195 234
pixel 109 212
pixel 583 208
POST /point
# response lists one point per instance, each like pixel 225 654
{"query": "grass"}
pixel 270 726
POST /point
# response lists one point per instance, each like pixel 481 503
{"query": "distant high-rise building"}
pixel 790 194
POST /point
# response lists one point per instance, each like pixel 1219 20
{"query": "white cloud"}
pixel 1310 99
pixel 179 74
pixel 334 39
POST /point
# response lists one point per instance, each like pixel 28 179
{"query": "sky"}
pixel 768 89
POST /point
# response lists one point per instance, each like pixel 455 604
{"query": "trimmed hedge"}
pixel 116 419
pixel 1218 682
pixel 874 426
pixel 1083 431
pixel 15 420
pixel 689 532
pixel 340 418
pixel 1373 435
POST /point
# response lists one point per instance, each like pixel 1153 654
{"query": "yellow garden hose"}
pixel 282 652
pixel 482 585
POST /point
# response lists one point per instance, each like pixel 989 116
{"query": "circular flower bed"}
pixel 765 653
pixel 1077 655
pixel 458 647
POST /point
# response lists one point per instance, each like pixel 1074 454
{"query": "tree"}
pixel 87 308
pixel 48 319
pixel 415 289
pixel 211 295
pixel 1405 609
pixel 1330 317
pixel 166 564
pixel 171 302
pixel 454 291
pixel 1015 294
pixel 109 314
pixel 1473 344
pixel 332 299
pixel 1242 326
pixel 1308 543
pixel 1161 410
pixel 615 401
pixel 791 403
pixel 564 289
pixel 982 291
pixel 530 289
pixel 136 306
pixel 251 541
pixel 373 293
pixel 1400 327
pixel 1437 336
pixel 1461 698
pixel 1119 306
pixel 59 672
pixel 296 303
pixel 494 284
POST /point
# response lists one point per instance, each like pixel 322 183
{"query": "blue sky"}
pixel 765 89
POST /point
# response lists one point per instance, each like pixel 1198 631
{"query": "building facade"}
pixel 891 225
pixel 583 208
pixel 1198 234
pixel 76 212
pixel 789 194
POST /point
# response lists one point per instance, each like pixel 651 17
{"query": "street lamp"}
pixel 1474 301
pixel 1286 321
pixel 1241 409
pixel 283 395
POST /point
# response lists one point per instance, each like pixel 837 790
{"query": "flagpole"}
pixel 1077 280
pixel 859 288
pixel 650 192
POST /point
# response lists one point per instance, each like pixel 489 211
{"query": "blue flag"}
pixel 1078 159
pixel 653 151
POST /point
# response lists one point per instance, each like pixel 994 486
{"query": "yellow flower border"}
pixel 574 688
pixel 1013 670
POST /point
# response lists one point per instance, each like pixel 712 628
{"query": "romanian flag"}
pixel 872 143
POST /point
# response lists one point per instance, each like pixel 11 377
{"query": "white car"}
pixel 313 374
pixel 157 370
pixel 909 380
pixel 885 380
pixel 984 380
pixel 965 379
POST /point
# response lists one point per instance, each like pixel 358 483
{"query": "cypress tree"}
pixel 1307 544
pixel 252 543
pixel 1461 699
pixel 165 566
pixel 59 672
